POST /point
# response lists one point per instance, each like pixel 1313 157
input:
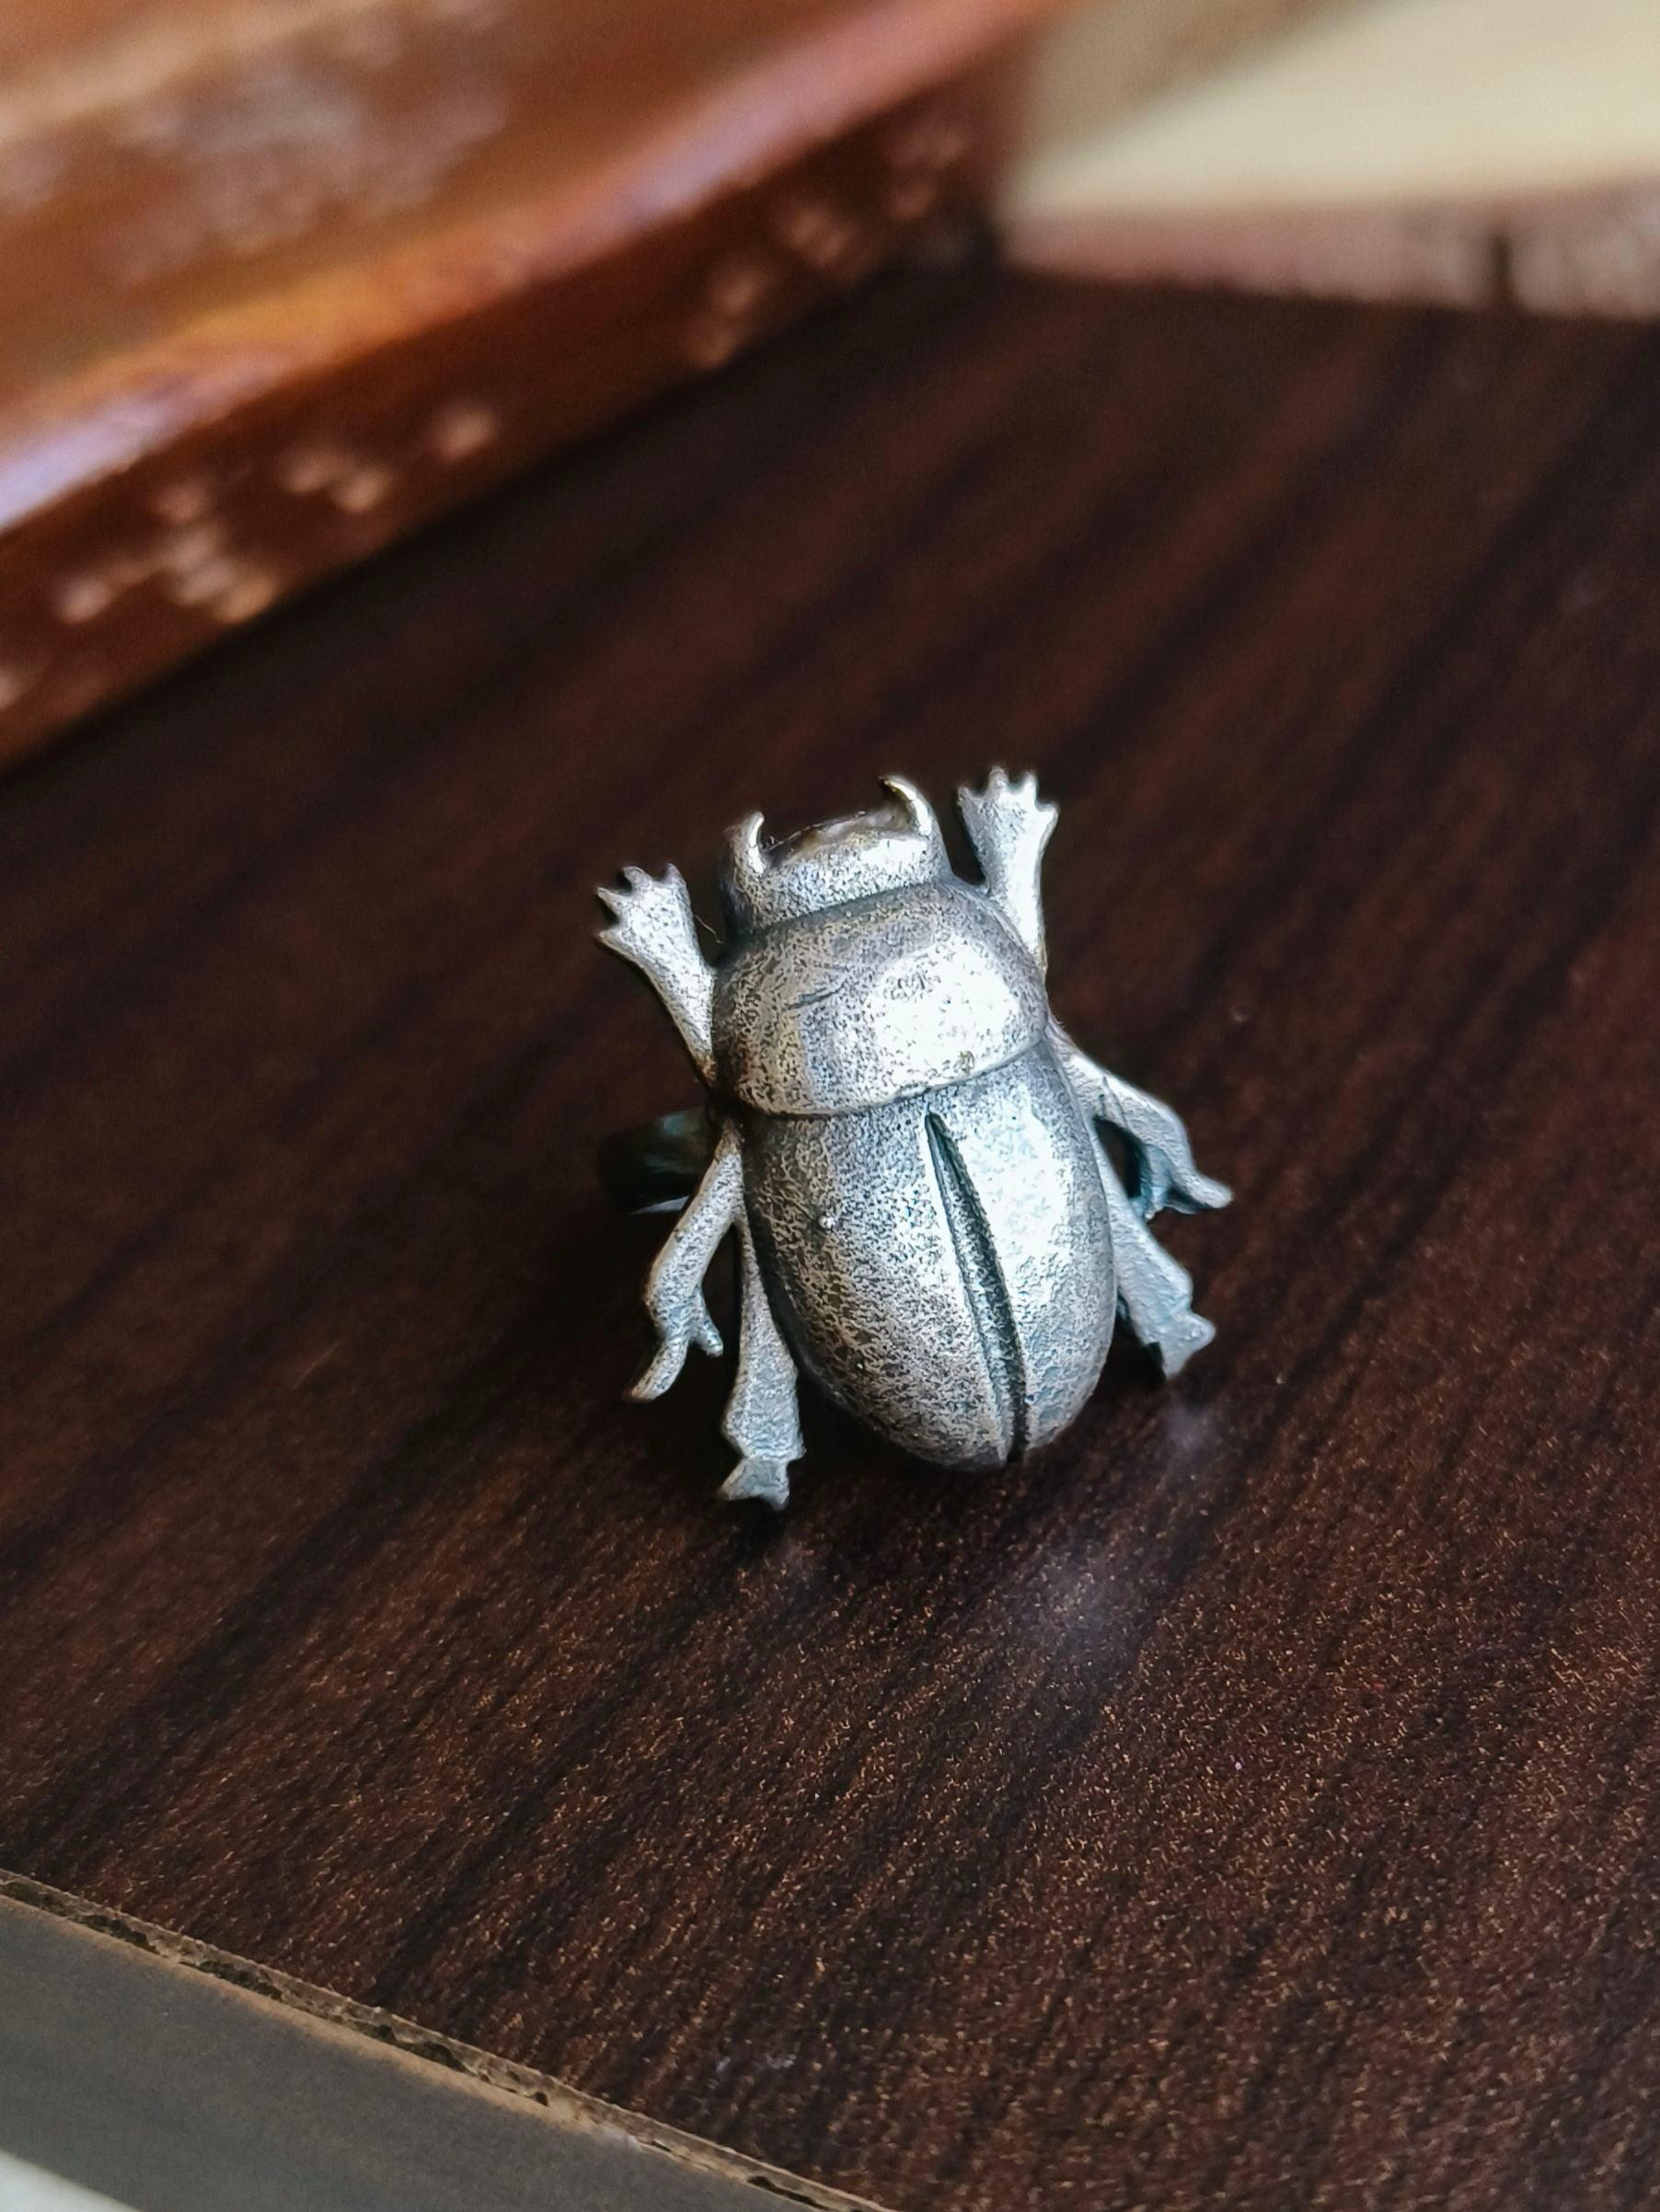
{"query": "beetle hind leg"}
pixel 1165 1171
pixel 762 1423
pixel 1154 1292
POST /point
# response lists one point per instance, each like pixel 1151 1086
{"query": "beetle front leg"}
pixel 654 928
pixel 1154 1292
pixel 762 1423
pixel 1009 826
pixel 674 1287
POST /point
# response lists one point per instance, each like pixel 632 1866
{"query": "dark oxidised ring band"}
pixel 655 1166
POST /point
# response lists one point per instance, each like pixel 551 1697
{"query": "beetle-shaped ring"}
pixel 905 1141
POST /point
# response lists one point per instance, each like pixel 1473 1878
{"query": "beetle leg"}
pixel 1165 1174
pixel 1154 1292
pixel 674 1287
pixel 1009 826
pixel 762 1423
pixel 653 927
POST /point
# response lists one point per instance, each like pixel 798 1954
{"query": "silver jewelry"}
pixel 903 1139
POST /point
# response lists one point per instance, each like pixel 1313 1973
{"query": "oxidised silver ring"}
pixel 904 1141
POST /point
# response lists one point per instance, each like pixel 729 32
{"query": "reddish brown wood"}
pixel 1251 1803
pixel 278 283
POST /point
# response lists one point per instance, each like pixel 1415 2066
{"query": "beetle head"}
pixel 893 846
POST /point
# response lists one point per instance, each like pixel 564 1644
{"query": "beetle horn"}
pixel 746 861
pixel 916 808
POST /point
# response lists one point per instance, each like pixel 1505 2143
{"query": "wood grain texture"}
pixel 172 2077
pixel 1249 1803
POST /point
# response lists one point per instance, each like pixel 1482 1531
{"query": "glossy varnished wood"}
pixel 1253 1800
pixel 278 283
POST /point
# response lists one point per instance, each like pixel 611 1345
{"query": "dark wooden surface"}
pixel 1251 1803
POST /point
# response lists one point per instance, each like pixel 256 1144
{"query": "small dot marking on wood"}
pixel 712 339
pixel 462 428
pixel 934 140
pixel 204 582
pixel 248 593
pixel 365 485
pixel 310 468
pixel 83 598
pixel 230 588
pixel 187 500
pixel 347 479
pixel 739 285
pixel 193 564
pixel 817 231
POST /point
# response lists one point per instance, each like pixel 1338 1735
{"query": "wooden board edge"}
pixel 1591 251
pixel 176 2078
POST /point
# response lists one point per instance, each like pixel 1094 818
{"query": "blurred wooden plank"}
pixel 279 279
pixel 172 162
pixel 1456 150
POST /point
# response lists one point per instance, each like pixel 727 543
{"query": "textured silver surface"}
pixel 895 994
pixel 908 1146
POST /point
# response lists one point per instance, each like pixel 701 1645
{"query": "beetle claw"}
pixel 765 1479
pixel 1185 1333
pixel 1009 826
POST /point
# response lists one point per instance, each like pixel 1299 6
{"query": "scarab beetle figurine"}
pixel 905 1141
